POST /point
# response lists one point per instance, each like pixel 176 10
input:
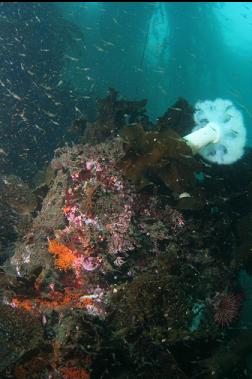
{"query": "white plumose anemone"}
pixel 219 135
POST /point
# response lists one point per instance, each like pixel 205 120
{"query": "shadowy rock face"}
pixel 17 203
pixel 17 195
pixel 129 267
pixel 20 335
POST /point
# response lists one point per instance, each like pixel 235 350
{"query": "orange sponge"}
pixel 65 257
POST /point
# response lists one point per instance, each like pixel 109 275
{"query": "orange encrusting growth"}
pixel 74 373
pixel 59 300
pixel 67 209
pixel 65 257
pixel 25 304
